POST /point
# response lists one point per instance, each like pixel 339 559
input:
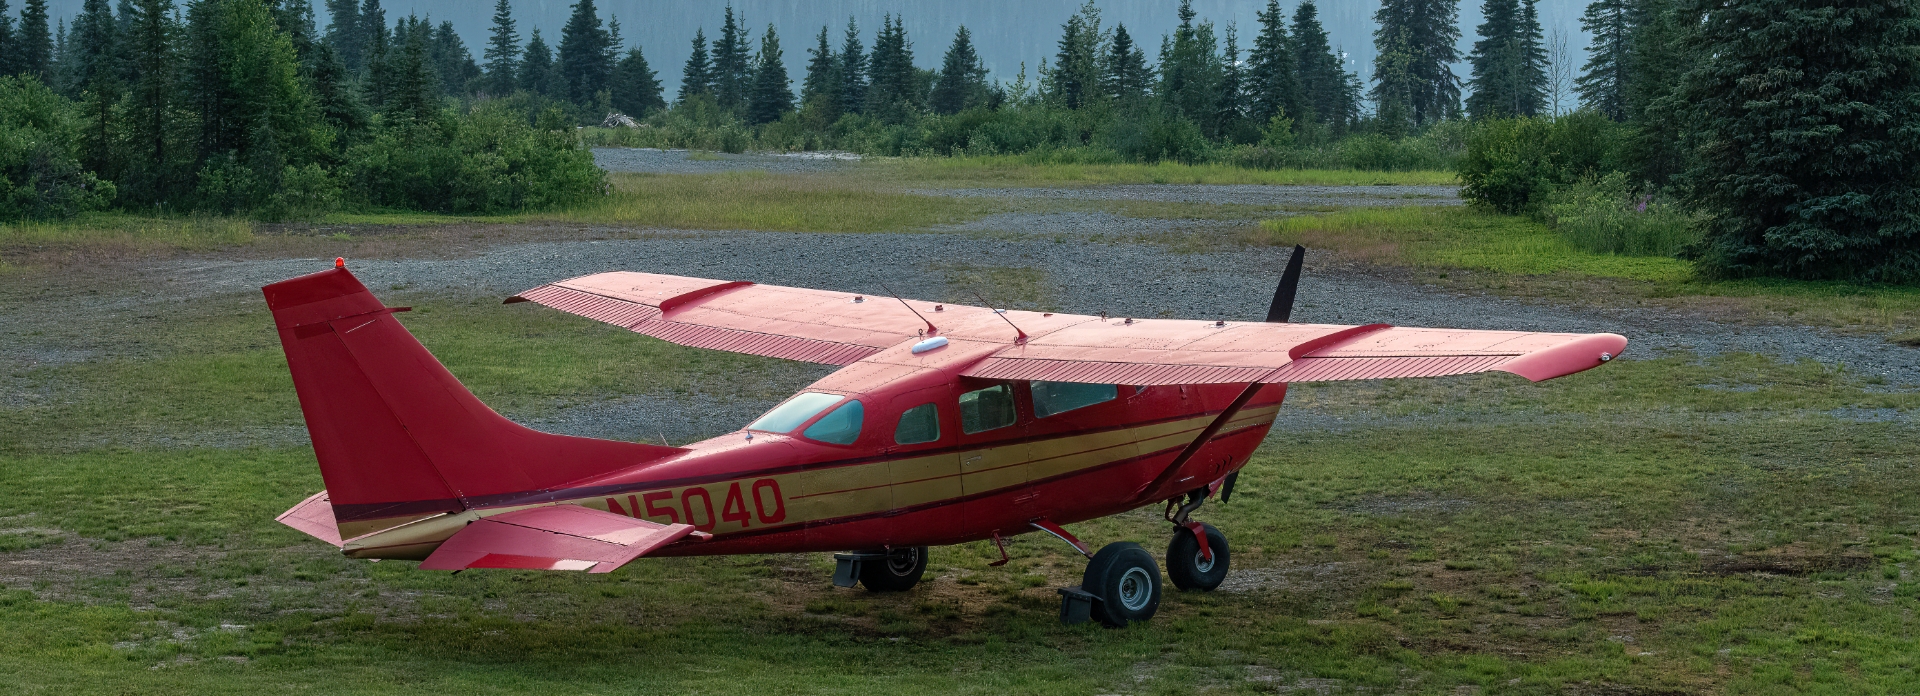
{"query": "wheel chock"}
pixel 1076 605
pixel 846 567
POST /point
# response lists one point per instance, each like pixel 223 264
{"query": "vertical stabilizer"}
pixel 396 435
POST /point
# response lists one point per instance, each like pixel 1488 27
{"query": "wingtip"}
pixel 1578 355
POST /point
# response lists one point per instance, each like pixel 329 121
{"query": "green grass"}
pixel 1482 531
pixel 1519 255
pixel 1019 170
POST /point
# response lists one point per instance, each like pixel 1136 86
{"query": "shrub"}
pixel 1152 135
pixel 40 172
pixel 1602 215
pixel 1513 164
pixel 487 160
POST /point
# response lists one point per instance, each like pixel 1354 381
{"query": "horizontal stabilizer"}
pixel 314 516
pixel 559 537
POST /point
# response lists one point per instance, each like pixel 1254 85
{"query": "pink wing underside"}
pixel 559 537
pixel 314 516
pixel 840 328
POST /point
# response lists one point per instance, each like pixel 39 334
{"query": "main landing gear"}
pixel 893 570
pixel 1122 584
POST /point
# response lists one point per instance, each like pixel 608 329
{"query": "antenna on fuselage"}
pixel 931 329
pixel 1021 339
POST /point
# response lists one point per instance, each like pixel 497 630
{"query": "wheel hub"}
pixel 1136 589
pixel 1202 562
pixel 902 564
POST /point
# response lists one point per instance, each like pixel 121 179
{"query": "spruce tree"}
pixel 697 77
pixel 34 50
pixel 94 65
pixel 636 88
pixel 1508 68
pixel 1807 162
pixel 732 66
pixel 295 18
pixel 771 95
pixel 1074 78
pixel 1124 74
pixel 149 121
pixel 1663 48
pixel 1273 73
pixel 344 34
pixel 244 89
pixel 585 59
pixel 1414 82
pixel 1326 96
pixel 1228 110
pixel 8 45
pixel 963 80
pixel 412 91
pixel 1603 82
pixel 503 50
pixel 891 93
pixel 452 61
pixel 372 34
pixel 820 89
pixel 333 95
pixel 537 71
pixel 853 71
pixel 1190 70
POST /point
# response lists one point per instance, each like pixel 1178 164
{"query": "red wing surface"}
pixel 840 328
pixel 559 537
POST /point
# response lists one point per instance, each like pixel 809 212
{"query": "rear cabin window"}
pixel 986 409
pixel 787 416
pixel 1051 398
pixel 919 424
pixel 841 427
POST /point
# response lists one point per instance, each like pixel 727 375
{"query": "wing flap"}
pixel 557 537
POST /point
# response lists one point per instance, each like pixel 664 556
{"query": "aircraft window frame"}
pixel 934 421
pixel 1042 404
pixel 852 406
pixel 795 412
pixel 1012 409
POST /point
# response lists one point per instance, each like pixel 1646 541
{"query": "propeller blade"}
pixel 1282 308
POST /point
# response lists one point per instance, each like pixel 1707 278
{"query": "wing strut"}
pixel 1279 312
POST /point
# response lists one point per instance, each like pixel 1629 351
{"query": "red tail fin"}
pixel 395 433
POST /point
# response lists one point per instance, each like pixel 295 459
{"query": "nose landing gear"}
pixel 1197 557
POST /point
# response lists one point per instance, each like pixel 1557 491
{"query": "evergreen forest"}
pixel 1758 137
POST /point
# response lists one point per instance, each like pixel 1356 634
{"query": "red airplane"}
pixel 947 424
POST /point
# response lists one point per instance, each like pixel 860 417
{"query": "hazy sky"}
pixel 1005 32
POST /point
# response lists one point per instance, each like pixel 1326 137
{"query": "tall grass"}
pixel 1462 238
pixel 1602 215
pixel 756 200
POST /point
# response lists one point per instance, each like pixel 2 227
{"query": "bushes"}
pixel 39 155
pixel 1512 165
pixel 487 160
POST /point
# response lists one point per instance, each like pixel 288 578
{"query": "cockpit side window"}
pixel 1050 398
pixel 841 427
pixel 917 425
pixel 986 409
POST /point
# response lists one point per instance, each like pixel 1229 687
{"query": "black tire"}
pixel 1187 569
pixel 1126 583
pixel 898 573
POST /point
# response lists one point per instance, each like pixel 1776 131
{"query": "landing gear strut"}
pixel 895 570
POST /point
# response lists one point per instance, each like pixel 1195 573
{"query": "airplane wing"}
pixel 840 328
pixel 557 537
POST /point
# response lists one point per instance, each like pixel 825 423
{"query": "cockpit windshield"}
pixel 787 416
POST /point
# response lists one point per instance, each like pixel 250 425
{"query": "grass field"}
pixel 1017 170
pixel 1734 525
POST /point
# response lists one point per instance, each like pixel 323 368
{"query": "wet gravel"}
pixel 646 159
pixel 1239 194
pixel 1123 279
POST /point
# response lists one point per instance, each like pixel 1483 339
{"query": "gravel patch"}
pixel 650 160
pixel 1236 194
pixel 1103 225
